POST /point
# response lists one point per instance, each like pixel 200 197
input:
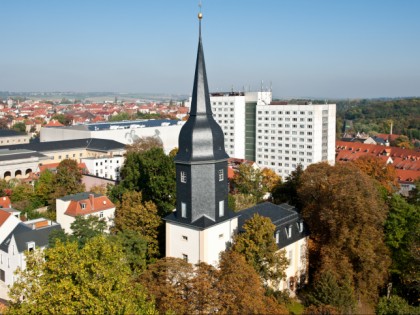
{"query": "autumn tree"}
pixel 67 279
pixel 144 144
pixel 68 179
pixel 377 169
pixel 241 291
pixel 135 214
pixel 257 244
pixel 168 281
pixel 248 181
pixel 345 215
pixel 269 179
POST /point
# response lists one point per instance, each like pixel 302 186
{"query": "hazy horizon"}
pixel 302 49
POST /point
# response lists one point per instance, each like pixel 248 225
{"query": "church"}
pixel 202 226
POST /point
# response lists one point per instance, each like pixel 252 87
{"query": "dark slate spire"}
pixel 201 138
pixel 201 162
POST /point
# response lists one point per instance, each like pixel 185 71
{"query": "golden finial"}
pixel 200 15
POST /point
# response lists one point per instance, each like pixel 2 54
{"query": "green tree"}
pixel 142 216
pixel 345 214
pixel 87 227
pixel 327 291
pixel 403 142
pixel 257 244
pixel 248 181
pixel 120 117
pixel 69 280
pixel 287 191
pixel 134 246
pixel 68 179
pixel 403 238
pixel 153 173
pixel 395 305
pixel 20 127
pixel 44 187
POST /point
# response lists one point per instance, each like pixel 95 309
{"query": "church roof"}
pixel 283 216
pixel 201 138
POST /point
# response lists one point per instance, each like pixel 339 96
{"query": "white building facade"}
pixel 105 167
pixel 292 134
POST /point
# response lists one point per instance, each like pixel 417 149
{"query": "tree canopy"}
pixel 67 279
pixel 134 214
pixel 258 246
pixel 345 215
pixel 153 173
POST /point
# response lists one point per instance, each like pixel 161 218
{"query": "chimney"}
pixel 92 199
pixel 390 132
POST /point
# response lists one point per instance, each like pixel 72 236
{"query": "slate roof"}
pixel 201 138
pixel 11 133
pixel 283 216
pixel 93 144
pixel 203 222
pixel 10 155
pixel 24 234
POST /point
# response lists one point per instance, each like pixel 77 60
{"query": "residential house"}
pixel 291 236
pixel 84 204
pixel 18 237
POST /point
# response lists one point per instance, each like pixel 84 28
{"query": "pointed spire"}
pixel 200 103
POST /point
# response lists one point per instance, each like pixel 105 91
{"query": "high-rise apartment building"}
pixel 235 113
pixel 292 134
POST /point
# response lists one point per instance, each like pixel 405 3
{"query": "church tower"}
pixel 202 225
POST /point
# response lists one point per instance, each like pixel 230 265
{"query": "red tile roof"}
pixel 54 123
pixel 91 205
pixel 5 202
pixel 4 215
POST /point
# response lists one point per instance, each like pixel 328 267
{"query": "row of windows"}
pixel 285 126
pixel 285 119
pixel 287 145
pixel 183 176
pixel 67 156
pixel 220 103
pixel 280 158
pixel 273 112
pixel 221 209
pixel 106 161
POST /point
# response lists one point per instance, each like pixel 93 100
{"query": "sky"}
pixel 299 48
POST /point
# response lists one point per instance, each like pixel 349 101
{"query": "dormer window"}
pixel 300 226
pixel 221 175
pixel 289 231
pixel 277 237
pixel 183 177
pixel 83 205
